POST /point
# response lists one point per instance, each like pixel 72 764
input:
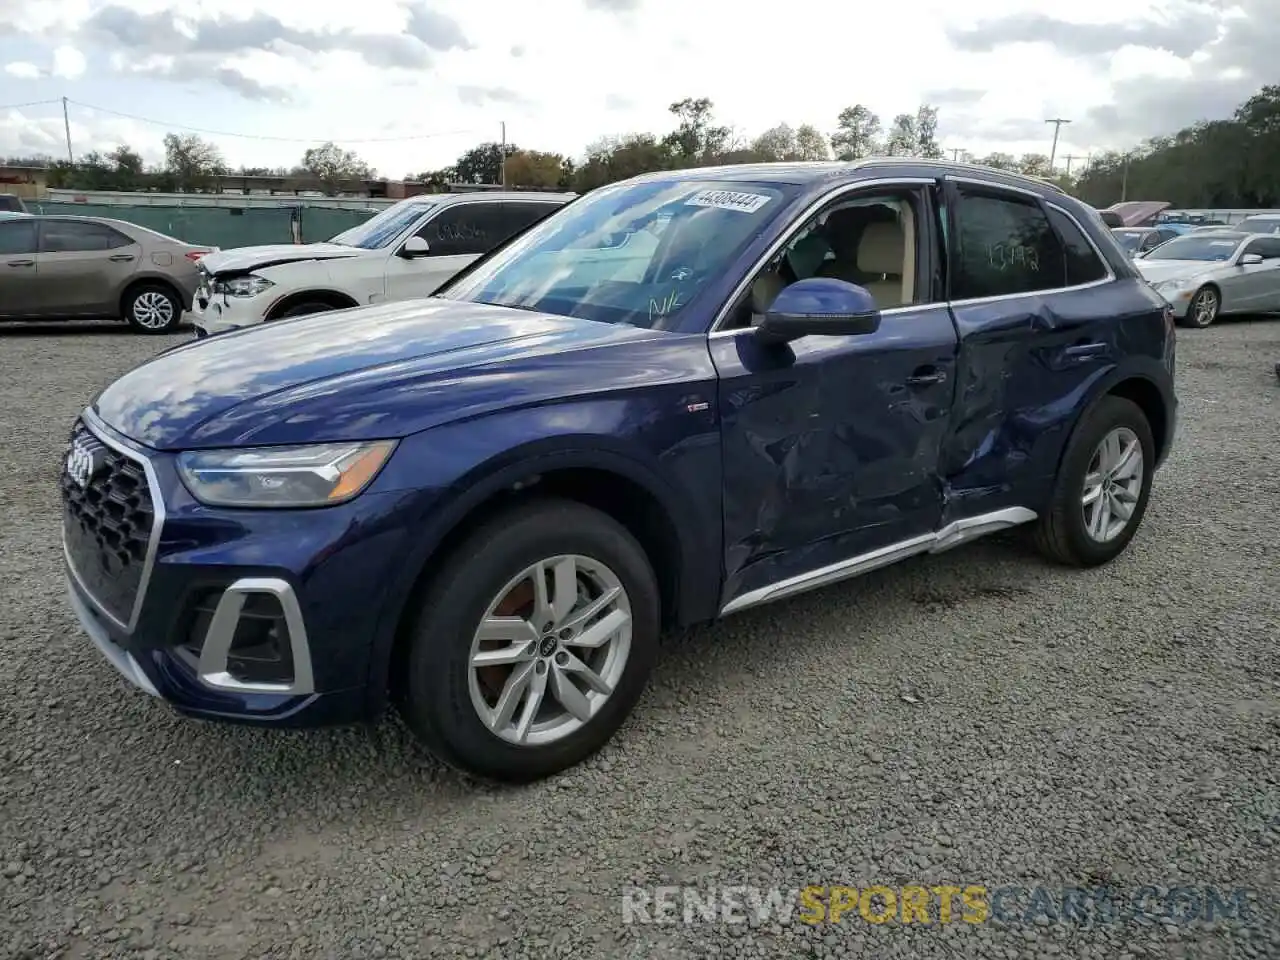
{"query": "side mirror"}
pixel 820 306
pixel 415 247
pixel 1249 259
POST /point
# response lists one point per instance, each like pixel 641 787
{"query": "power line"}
pixel 256 136
pixel 32 103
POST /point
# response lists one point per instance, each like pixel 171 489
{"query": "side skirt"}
pixel 952 535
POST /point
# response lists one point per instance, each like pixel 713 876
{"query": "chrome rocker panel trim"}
pixel 952 535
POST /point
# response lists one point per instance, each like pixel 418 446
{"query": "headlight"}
pixel 316 475
pixel 1173 286
pixel 246 286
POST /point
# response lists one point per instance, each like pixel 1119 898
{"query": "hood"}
pixel 369 373
pixel 1157 271
pixel 240 259
pixel 1134 213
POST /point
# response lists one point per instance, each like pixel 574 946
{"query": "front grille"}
pixel 107 519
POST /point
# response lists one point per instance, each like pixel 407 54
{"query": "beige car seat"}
pixel 882 250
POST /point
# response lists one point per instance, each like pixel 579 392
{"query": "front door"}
pixel 1256 289
pixel 455 236
pixel 830 445
pixel 18 273
pixel 84 266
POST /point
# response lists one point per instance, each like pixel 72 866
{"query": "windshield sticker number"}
pixel 728 200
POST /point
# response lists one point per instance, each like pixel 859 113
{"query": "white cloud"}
pixel 68 63
pixel 22 69
pixel 442 75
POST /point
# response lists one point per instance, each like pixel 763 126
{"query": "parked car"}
pixel 10 203
pixel 484 506
pixel 406 251
pixel 1208 275
pixel 67 268
pixel 1140 240
pixel 1259 223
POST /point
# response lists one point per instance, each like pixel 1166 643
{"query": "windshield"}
pixel 1192 247
pixel 1129 239
pixel 381 229
pixel 1259 225
pixel 635 253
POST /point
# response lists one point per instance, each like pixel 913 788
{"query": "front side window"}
pixel 1004 245
pixel 382 229
pixel 465 229
pixel 71 236
pixel 17 237
pixel 634 253
pixel 1266 247
pixel 1206 247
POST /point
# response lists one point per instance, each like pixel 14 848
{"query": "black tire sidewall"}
pixel 174 301
pixel 1109 413
pixel 437 702
pixel 305 310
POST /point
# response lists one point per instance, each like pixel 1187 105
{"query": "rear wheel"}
pixel 533 644
pixel 1101 493
pixel 153 308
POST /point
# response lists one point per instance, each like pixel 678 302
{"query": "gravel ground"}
pixel 972 718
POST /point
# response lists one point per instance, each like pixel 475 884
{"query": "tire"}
pixel 153 308
pixel 1062 534
pixel 1212 304
pixel 305 309
pixel 439 696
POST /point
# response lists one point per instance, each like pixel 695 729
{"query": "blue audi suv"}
pixel 680 396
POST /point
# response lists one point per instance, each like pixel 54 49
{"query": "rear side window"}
pixel 17 237
pixel 70 236
pixel 1081 262
pixel 1004 245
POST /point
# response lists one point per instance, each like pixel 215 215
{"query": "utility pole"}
pixel 504 154
pixel 1124 184
pixel 1057 127
pixel 1069 157
pixel 955 154
pixel 66 125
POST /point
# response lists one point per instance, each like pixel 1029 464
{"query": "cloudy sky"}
pixel 410 84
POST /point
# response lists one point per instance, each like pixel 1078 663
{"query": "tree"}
pixel 331 165
pixel 696 138
pixel 483 164
pixel 927 144
pixel 776 143
pixel 857 134
pixel 1034 165
pixel 999 161
pixel 532 168
pixel 191 161
pixel 902 140
pixel 811 144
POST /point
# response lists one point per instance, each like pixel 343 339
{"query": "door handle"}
pixel 1085 351
pixel 22 263
pixel 121 258
pixel 926 376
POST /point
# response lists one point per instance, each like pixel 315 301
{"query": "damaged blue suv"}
pixel 680 396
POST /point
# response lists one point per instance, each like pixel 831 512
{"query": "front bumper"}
pixel 216 314
pixel 260 616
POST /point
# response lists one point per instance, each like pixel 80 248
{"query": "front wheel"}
pixel 1203 308
pixel 533 644
pixel 304 309
pixel 1101 492
pixel 153 308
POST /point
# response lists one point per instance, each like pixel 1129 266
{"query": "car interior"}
pixel 870 242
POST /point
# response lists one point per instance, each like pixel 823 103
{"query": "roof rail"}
pixel 956 164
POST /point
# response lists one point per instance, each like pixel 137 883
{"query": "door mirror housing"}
pixel 819 306
pixel 415 247
pixel 1249 259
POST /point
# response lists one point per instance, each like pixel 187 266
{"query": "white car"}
pixel 1207 275
pixel 406 251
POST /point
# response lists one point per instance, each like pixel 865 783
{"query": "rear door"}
pixel 18 272
pixel 456 235
pixel 1038 320
pixel 83 266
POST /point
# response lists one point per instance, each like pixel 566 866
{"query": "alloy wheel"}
pixel 1204 308
pixel 1112 485
pixel 550 650
pixel 153 310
